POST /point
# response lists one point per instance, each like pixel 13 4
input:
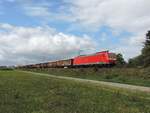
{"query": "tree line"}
pixel 143 60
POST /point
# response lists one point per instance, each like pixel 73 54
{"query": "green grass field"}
pixel 133 76
pixel 29 93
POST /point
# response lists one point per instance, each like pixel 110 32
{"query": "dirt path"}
pixel 111 84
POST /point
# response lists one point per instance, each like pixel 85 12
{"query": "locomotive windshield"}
pixel 112 56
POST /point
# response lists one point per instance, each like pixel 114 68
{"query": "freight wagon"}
pixel 54 64
pixel 60 63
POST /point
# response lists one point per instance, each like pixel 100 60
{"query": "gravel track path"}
pixel 111 84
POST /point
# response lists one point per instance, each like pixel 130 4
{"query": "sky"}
pixel 33 31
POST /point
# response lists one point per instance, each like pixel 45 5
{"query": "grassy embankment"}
pixel 29 93
pixel 133 76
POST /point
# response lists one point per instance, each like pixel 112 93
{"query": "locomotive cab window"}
pixel 112 56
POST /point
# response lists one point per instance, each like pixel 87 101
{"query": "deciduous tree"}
pixel 146 50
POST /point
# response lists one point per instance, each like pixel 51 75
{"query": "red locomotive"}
pixel 103 58
pixel 99 58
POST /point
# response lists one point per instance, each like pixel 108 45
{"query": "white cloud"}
pixel 45 11
pixel 37 11
pixel 125 14
pixel 129 15
pixel 120 15
pixel 34 44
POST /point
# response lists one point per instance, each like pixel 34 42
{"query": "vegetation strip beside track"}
pixel 111 84
pixel 132 76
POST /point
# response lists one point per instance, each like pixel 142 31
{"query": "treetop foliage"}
pixel 120 59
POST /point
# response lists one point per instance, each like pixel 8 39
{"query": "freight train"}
pixel 104 58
